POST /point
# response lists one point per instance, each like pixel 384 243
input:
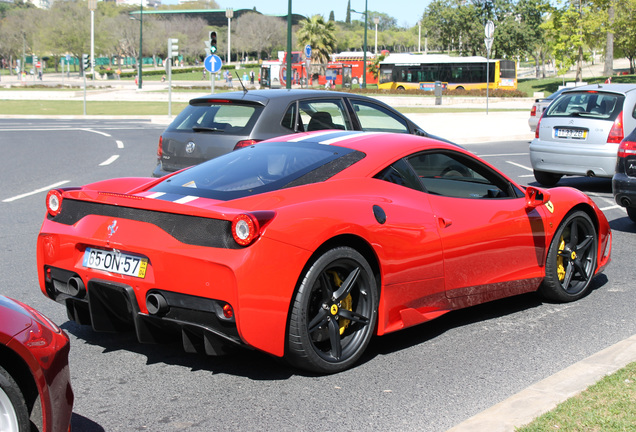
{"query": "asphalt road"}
pixel 427 378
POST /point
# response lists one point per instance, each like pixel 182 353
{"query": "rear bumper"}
pixel 568 159
pixel 624 188
pixel 112 307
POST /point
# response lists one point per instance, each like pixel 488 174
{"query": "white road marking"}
pixel 611 207
pixel 37 191
pixel 120 144
pixel 109 161
pixel 502 155
pixel 97 132
pixel 519 165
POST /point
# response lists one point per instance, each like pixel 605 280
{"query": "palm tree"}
pixel 320 35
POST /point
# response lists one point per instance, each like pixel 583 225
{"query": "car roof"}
pixel 614 88
pixel 263 96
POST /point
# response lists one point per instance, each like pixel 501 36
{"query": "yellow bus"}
pixel 421 71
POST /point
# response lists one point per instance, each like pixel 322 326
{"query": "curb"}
pixel 539 398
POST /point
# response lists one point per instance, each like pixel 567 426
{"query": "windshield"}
pixel 217 117
pixel 592 104
pixel 260 168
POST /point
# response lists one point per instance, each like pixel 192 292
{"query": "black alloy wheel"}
pixel 334 312
pixel 571 259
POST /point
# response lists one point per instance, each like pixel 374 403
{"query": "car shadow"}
pixel 237 361
pixel 623 224
pixel 240 361
pixel 407 338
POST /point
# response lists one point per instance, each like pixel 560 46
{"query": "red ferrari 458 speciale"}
pixel 305 246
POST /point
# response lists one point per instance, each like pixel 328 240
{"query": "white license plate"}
pixel 571 133
pixel 115 262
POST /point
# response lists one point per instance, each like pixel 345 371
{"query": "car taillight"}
pixel 533 111
pixel 616 133
pixel 160 147
pixel 536 131
pixel 626 148
pixel 245 143
pixel 247 227
pixel 54 202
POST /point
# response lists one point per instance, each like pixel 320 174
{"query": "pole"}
pixel 169 86
pixel 93 44
pixel 288 77
pixel 364 55
pixel 141 29
pixel 419 36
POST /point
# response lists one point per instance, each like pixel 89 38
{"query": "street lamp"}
pixel 92 5
pixel 376 20
pixel 229 13
pixel 141 28
pixel 419 36
pixel 364 47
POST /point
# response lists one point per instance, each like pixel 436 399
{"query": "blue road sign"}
pixel 213 63
pixel 308 51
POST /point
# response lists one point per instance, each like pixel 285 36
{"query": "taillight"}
pixel 616 133
pixel 160 147
pixel 536 131
pixel 247 227
pixel 626 148
pixel 54 202
pixel 245 143
pixel 533 111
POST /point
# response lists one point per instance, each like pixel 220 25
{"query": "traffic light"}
pixel 86 61
pixel 212 42
pixel 173 48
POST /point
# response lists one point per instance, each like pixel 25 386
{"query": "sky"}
pixel 406 12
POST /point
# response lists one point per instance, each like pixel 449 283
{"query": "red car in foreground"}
pixel 306 246
pixel 35 386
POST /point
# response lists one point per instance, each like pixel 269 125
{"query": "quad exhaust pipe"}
pixel 75 287
pixel 156 304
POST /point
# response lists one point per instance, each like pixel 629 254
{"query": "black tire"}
pixel 571 259
pixel 546 178
pixel 14 415
pixel 631 212
pixel 334 312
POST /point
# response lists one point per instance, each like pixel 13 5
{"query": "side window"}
pixel 375 118
pixel 401 174
pixel 455 175
pixel 289 119
pixel 323 114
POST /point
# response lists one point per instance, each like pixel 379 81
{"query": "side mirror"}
pixel 536 197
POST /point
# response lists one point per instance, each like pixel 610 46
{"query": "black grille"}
pixel 193 230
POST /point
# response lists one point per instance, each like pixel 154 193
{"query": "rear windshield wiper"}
pixel 206 129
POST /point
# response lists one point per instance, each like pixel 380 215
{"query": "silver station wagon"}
pixel 580 132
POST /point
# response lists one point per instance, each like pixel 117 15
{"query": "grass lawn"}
pixel 46 107
pixel 607 406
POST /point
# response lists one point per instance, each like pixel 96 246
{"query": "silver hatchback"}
pixel 580 132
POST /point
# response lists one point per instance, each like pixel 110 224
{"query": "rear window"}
pixel 592 104
pixel 229 118
pixel 260 168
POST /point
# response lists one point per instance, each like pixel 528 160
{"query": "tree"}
pixel 348 16
pixel 625 31
pixel 320 35
pixel 258 34
pixel 332 16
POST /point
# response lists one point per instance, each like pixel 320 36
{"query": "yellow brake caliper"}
pixel 560 266
pixel 347 303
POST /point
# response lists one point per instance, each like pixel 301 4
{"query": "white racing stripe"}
pixel 37 191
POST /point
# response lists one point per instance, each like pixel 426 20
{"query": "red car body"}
pixel 429 253
pixel 34 351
